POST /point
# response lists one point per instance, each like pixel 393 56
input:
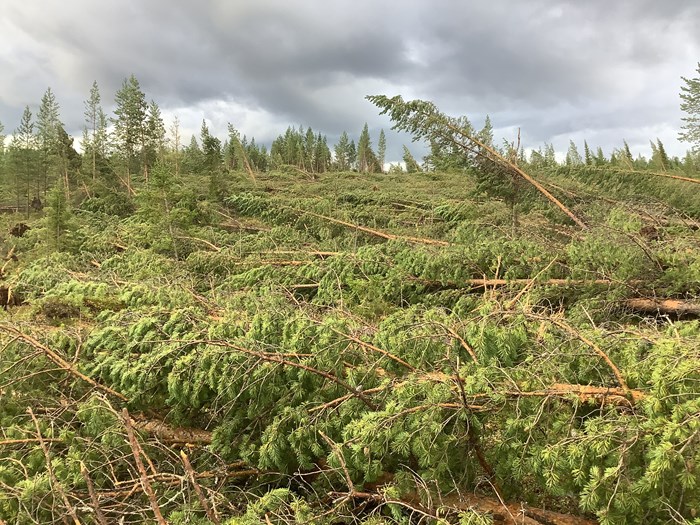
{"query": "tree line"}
pixel 122 149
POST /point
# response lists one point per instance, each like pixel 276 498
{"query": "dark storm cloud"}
pixel 597 69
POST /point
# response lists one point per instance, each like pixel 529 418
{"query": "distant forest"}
pixel 120 150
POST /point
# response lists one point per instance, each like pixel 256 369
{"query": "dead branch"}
pixel 373 348
pixel 197 239
pixel 145 484
pixel 102 520
pixel 55 484
pixel 58 360
pixel 211 515
pixel 377 233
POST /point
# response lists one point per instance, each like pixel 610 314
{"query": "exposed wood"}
pixel 170 434
pixel 674 307
pixel 377 233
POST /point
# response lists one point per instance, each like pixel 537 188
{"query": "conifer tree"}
pixel 192 157
pixel 95 132
pixel 599 158
pixel 364 151
pixel 154 139
pixel 129 125
pixel 411 165
pixel 23 150
pixel 381 149
pixel 662 161
pixel 58 215
pixel 342 152
pixel 587 155
pixel 573 157
pixel 690 104
pixel 627 154
pixel 47 125
pixel 352 155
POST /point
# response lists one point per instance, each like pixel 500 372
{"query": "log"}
pixel 673 307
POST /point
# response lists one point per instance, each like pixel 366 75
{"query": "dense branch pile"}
pixel 333 350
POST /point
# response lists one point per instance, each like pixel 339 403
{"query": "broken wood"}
pixel 377 233
pixel 143 476
pixel 673 307
pixel 55 483
pixel 58 360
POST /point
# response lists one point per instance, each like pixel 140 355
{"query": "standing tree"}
pixel 95 132
pixel 177 143
pixel 23 149
pixel 58 216
pixel 364 151
pixel 47 126
pixel 129 126
pixel 587 155
pixel 411 165
pixel 690 97
pixel 342 152
pixel 573 157
pixel 381 149
pixel 154 138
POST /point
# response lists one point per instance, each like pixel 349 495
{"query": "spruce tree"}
pixel 364 151
pixel 129 125
pixel 23 150
pixel 411 165
pixel 381 149
pixel 342 152
pixel 47 125
pixel 95 132
pixel 58 215
pixel 588 156
pixel 573 157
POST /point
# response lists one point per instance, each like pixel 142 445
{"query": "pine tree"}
pixel 192 157
pixel 130 125
pixel 599 158
pixel 627 154
pixel 352 155
pixel 211 149
pixel 690 97
pixel 381 149
pixel 550 158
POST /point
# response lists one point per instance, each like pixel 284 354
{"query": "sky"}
pixel 559 70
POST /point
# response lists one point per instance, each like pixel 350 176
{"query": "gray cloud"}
pixel 558 69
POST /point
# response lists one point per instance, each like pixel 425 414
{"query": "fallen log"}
pixel 673 307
